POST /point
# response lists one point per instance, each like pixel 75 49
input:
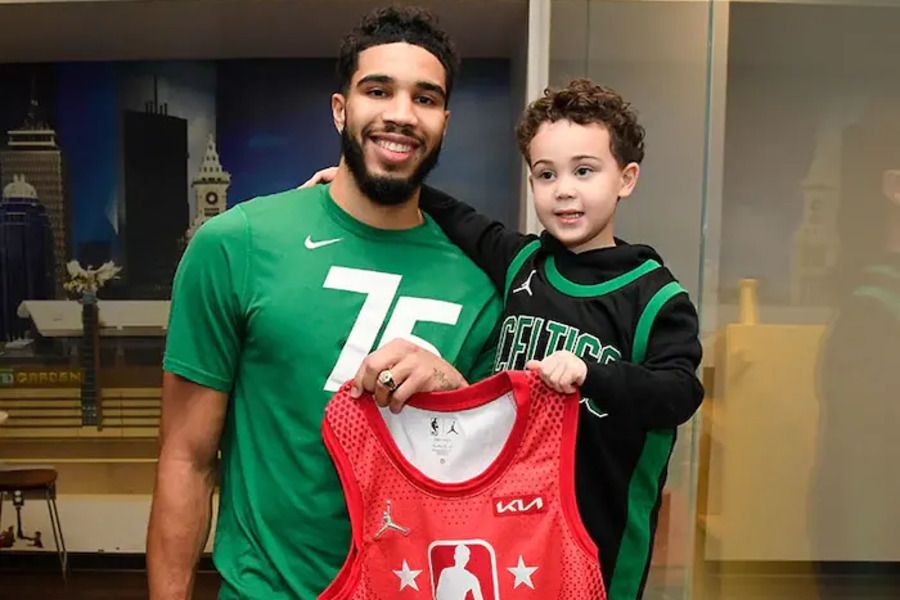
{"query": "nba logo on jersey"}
pixel 463 570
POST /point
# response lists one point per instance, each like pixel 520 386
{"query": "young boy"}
pixel 589 310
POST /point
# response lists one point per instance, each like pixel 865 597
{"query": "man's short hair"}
pixel 583 102
pixel 408 24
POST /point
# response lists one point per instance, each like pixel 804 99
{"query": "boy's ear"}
pixel 629 179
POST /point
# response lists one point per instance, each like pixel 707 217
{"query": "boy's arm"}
pixel 663 391
pixel 488 243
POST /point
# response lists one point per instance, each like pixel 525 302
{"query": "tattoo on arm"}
pixel 443 382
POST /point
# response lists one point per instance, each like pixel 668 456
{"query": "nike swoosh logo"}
pixel 311 245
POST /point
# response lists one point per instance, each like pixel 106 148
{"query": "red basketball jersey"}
pixel 508 530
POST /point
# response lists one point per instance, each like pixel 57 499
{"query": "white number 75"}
pixel 380 290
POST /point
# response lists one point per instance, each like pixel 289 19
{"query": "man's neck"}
pixel 347 195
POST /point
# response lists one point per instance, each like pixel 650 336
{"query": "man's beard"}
pixel 384 189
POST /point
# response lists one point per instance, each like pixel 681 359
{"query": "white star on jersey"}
pixel 408 577
pixel 522 574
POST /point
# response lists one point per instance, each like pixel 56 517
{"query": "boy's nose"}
pixel 564 192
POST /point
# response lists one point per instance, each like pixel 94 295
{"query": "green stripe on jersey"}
pixel 645 323
pixel 644 488
pixel 643 494
pixel 577 290
pixel 516 264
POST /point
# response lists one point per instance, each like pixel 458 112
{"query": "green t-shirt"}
pixel 276 302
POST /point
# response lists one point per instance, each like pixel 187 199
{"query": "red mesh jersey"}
pixel 510 532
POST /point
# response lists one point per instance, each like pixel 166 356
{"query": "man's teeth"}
pixel 394 146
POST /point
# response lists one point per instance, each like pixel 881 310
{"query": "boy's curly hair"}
pixel 584 102
pixel 394 24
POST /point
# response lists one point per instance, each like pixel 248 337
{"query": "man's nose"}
pixel 401 110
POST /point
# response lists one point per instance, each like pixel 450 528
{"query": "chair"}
pixel 33 481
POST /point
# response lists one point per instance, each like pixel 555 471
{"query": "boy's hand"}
pixel 322 176
pixel 562 371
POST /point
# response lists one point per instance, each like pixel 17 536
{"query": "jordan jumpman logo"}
pixel 527 285
pixel 387 523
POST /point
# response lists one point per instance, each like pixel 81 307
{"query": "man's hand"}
pixel 413 370
pixel 322 176
pixel 562 371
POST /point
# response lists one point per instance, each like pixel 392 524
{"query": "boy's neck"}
pixel 346 193
pixel 604 239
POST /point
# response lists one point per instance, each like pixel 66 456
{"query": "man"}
pixel 275 304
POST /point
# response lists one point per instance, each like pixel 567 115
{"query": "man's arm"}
pixel 191 425
pixel 488 243
pixel 662 391
pixel 203 346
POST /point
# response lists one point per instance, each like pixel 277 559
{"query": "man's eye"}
pixel 377 93
pixel 425 100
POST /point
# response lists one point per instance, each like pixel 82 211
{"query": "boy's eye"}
pixel 583 171
pixel 545 175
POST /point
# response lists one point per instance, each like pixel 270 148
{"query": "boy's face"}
pixel 577 183
pixel 392 118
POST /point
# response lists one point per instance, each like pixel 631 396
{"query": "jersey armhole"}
pixel 567 479
pixel 516 264
pixel 349 573
pixel 648 317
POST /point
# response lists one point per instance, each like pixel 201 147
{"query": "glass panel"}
pixel 789 235
pixel 655 55
pixel 801 455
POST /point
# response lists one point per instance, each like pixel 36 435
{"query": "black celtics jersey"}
pixel 625 315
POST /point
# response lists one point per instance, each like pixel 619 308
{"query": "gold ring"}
pixel 386 378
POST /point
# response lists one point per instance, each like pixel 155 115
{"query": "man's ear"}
pixel 446 120
pixel 339 111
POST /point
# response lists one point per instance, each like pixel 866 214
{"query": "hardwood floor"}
pixel 91 585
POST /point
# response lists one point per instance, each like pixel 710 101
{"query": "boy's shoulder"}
pixel 632 277
pixel 659 284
